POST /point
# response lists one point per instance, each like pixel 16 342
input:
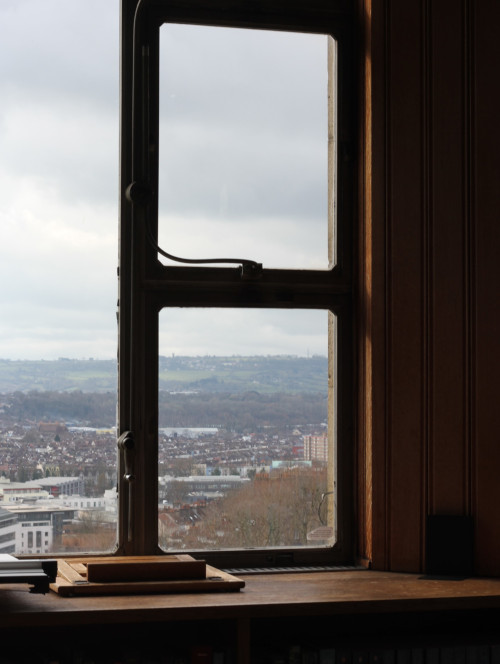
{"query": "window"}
pixel 168 186
pixel 236 140
pixel 59 126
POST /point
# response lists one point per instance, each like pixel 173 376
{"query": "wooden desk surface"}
pixel 317 593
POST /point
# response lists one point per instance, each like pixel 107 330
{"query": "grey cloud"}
pixel 243 116
pixel 261 175
pixel 254 77
pixel 45 50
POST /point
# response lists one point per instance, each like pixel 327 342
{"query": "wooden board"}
pixel 140 575
pixel 161 568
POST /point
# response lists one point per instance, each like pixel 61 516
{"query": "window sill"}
pixel 352 593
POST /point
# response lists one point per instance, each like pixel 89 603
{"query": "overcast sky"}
pixel 242 173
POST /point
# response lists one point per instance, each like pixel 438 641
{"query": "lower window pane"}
pixel 246 439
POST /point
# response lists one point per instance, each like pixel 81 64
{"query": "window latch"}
pixel 126 444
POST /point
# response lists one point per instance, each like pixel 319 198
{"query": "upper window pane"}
pixel 246 166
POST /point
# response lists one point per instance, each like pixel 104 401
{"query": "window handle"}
pixel 140 193
pixel 126 444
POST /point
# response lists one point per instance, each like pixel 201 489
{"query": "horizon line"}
pixel 173 356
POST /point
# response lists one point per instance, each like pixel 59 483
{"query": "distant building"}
pixel 316 447
pixel 21 492
pixel 35 527
pixel 52 428
pixel 8 530
pixel 295 463
pixel 197 488
pixel 84 502
pixel 59 486
pixel 29 492
pixel 188 432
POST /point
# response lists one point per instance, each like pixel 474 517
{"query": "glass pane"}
pixel 58 255
pixel 246 164
pixel 246 453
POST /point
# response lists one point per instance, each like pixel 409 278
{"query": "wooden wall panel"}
pixel 364 465
pixel 372 377
pixel 405 286
pixel 432 275
pixel 486 284
pixel 448 217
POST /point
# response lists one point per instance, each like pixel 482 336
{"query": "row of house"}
pixel 13 492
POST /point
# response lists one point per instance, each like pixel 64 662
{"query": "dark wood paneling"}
pixel 432 272
pixel 486 206
pixel 405 284
pixel 448 251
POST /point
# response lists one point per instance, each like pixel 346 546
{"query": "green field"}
pixel 263 374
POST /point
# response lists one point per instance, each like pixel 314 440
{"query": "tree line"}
pixel 242 411
pixel 273 510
